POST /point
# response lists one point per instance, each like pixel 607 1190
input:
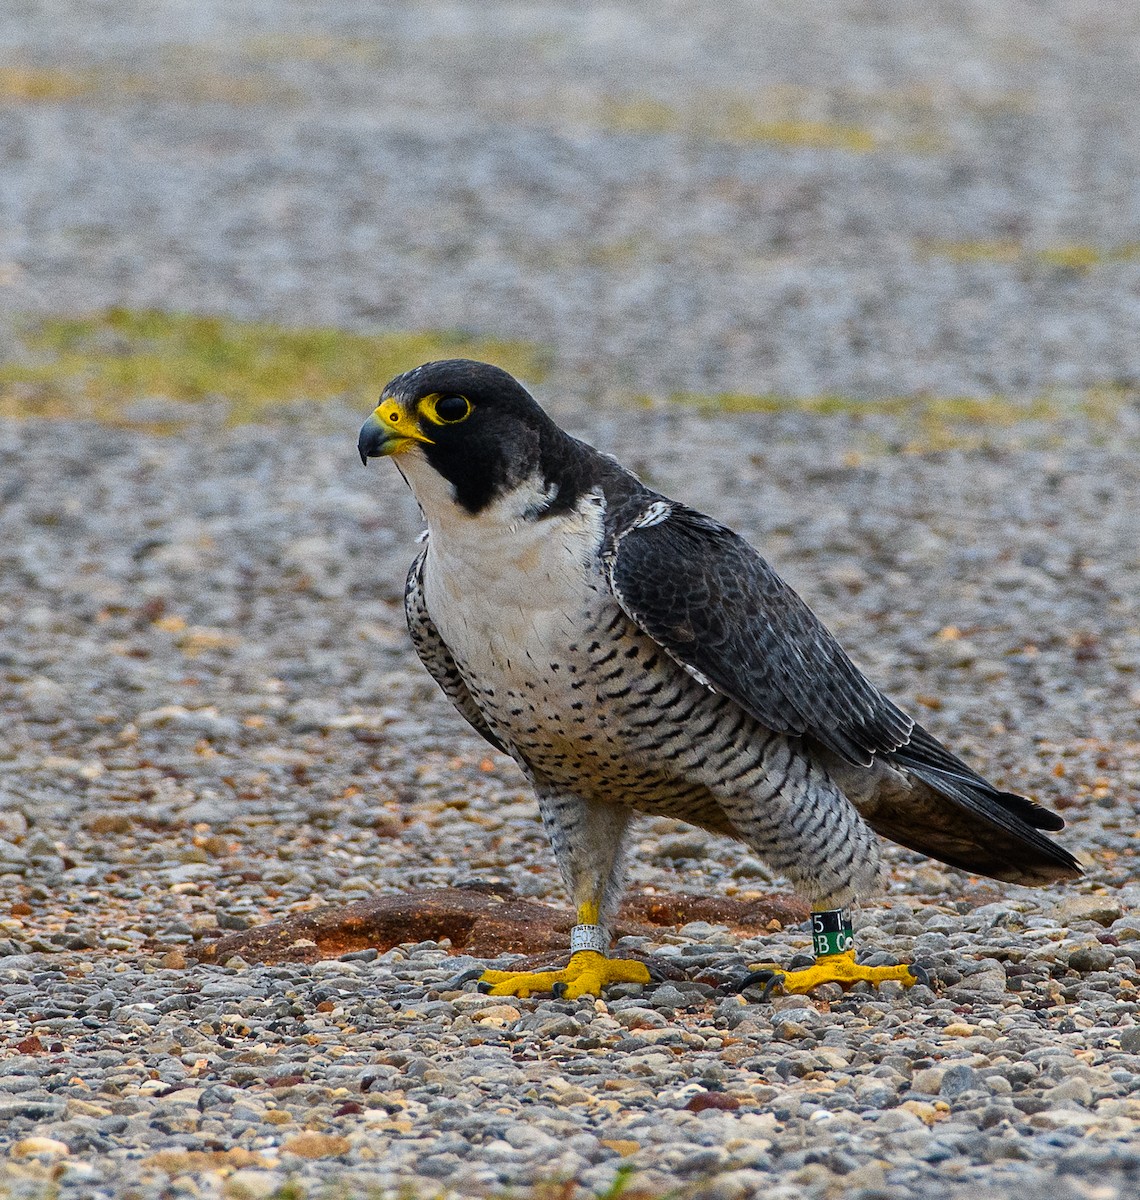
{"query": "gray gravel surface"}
pixel 211 715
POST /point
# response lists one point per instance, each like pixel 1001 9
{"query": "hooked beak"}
pixel 389 430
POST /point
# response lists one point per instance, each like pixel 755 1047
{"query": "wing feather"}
pixel 711 601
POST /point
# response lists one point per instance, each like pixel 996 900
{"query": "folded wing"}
pixel 708 599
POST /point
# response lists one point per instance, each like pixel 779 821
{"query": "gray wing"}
pixel 719 609
pixel 435 655
pixel 715 605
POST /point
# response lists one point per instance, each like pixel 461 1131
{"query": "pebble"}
pixel 34 1146
pixel 251 1184
pixel 956 1080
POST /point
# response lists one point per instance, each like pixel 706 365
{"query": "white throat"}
pixel 497 580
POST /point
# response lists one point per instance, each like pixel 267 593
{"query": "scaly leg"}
pixel 587 837
pixel 834 947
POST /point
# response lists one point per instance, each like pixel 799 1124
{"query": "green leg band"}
pixel 831 932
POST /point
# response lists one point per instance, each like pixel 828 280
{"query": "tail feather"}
pixel 951 813
pixel 927 758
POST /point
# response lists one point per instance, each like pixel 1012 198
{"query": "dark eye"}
pixel 450 409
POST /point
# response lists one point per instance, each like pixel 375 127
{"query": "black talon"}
pixel 483 987
pixel 770 980
pixel 771 985
pixel 558 990
pixel 457 981
pixel 921 974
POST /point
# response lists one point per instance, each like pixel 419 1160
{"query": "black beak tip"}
pixel 370 440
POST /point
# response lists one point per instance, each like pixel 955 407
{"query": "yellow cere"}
pixel 392 416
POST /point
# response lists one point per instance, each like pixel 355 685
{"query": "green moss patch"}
pixel 1078 257
pixel 62 85
pixel 731 120
pixel 928 424
pixel 101 366
pixel 316 48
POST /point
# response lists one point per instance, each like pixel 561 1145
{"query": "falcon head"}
pixel 469 422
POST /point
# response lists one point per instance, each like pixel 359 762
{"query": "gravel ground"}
pixel 212 716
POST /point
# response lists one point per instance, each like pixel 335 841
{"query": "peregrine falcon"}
pixel 634 655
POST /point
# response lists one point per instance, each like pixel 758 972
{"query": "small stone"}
pixel 251 1184
pixel 875 1093
pixel 1091 956
pixel 870 1176
pixel 682 846
pixel 623 1146
pixel 43 699
pixel 958 1079
pixel 959 1029
pixel 751 868
pixel 1130 1040
pixel 469 1002
pixel 641 1018
pixel 13 823
pixel 31 1146
pixel 730 1185
pixel 12 857
pixel 703 1101
pixel 526 1137
pixel 928 1114
pixel 562 1025
pixel 1101 909
pixel 800 1002
pixel 1062 1118
pixel 956 652
pixel 1071 1089
pixel 928 1081
pixel 496 1014
pixel 988 983
pixel 86 1108
pixel 173 960
pixel 667 996
pixel 316 1145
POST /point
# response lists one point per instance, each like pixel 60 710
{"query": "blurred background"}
pixel 847 199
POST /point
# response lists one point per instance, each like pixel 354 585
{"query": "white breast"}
pixel 507 591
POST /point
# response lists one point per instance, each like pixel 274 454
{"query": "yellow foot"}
pixel 586 972
pixel 833 968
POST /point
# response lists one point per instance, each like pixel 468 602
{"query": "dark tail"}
pixel 961 819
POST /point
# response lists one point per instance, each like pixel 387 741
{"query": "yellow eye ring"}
pixel 446 410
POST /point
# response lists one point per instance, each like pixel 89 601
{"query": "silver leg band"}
pixel 588 937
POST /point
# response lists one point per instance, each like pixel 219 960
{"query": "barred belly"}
pixel 589 704
pixel 616 719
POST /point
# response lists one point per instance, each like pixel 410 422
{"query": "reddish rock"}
pixel 477 923
pixel 705 1100
pixel 284 1081
pixel 679 908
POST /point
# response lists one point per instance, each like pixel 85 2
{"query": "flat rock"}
pixel 476 923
